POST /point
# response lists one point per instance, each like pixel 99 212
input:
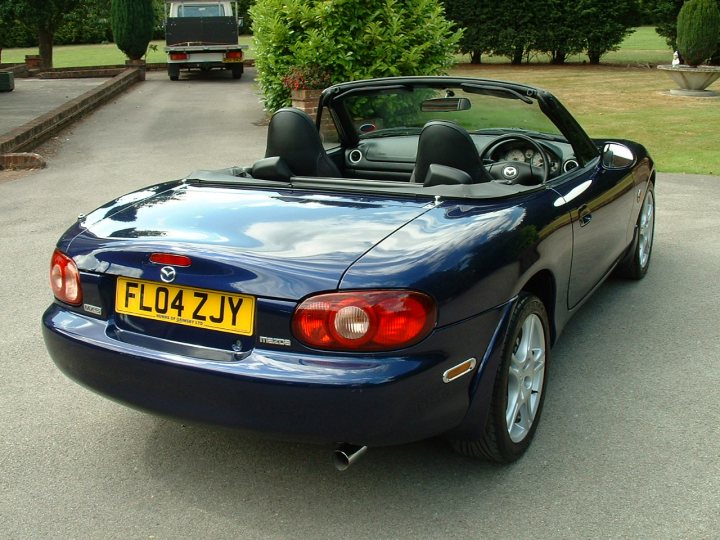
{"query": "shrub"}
pixel 349 40
pixel 698 26
pixel 132 24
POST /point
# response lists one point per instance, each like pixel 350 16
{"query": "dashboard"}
pixel 393 158
pixel 517 151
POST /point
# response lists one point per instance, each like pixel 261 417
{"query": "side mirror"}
pixel 617 156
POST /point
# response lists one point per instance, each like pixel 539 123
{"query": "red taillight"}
pixel 364 320
pixel 178 56
pixel 234 54
pixel 65 279
pixel 171 259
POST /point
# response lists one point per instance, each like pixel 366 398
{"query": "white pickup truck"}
pixel 203 34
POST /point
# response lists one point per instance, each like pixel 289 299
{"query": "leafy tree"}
pixel 476 21
pixel 244 12
pixel 132 25
pixel 559 35
pixel 4 27
pixel 350 40
pixel 89 22
pixel 698 27
pixel 555 27
pixel 41 16
pixel 665 14
pixel 160 9
pixel 497 27
pixel 518 28
pixel 603 33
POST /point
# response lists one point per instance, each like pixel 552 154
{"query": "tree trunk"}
pixel 45 40
pixel 558 57
pixel 594 56
pixel 517 56
pixel 475 57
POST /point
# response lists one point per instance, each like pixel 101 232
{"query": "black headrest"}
pixel 446 143
pixel 292 135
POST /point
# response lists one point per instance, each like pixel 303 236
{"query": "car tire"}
pixel 519 390
pixel 237 72
pixel 636 263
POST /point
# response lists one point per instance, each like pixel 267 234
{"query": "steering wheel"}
pixel 517 172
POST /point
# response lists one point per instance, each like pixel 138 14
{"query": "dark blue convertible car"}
pixel 395 269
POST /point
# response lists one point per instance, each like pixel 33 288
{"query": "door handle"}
pixel 585 216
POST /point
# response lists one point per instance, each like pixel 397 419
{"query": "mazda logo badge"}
pixel 167 274
pixel 510 172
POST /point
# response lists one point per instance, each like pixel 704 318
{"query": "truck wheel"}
pixel 173 72
pixel 237 71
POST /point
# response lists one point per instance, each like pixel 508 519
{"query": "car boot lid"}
pixel 274 242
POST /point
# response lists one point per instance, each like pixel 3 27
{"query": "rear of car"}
pixel 227 306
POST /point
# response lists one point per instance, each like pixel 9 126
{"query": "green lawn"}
pixel 631 103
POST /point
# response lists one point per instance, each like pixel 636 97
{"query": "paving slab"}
pixel 34 97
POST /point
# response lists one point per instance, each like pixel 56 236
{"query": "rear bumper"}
pixel 355 399
pixel 206 65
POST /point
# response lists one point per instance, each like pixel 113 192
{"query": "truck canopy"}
pixel 201 22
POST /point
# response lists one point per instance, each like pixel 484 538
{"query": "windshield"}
pixel 477 109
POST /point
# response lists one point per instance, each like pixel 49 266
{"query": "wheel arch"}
pixel 542 284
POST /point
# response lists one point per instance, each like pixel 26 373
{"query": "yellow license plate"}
pixel 202 308
pixel 232 60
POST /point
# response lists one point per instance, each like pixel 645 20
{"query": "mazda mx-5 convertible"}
pixel 394 269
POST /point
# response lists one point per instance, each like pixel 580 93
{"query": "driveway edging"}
pixel 31 134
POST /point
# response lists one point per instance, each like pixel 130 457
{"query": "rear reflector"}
pixel 234 54
pixel 170 259
pixel 178 56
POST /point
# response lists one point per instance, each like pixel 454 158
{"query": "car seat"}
pixel 293 137
pixel 447 144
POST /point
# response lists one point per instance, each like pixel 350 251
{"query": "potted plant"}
pixel 306 83
pixel 698 26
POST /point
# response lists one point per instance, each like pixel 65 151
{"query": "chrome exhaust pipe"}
pixel 347 454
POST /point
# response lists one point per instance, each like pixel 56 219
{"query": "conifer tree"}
pixel 132 24
pixel 698 26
